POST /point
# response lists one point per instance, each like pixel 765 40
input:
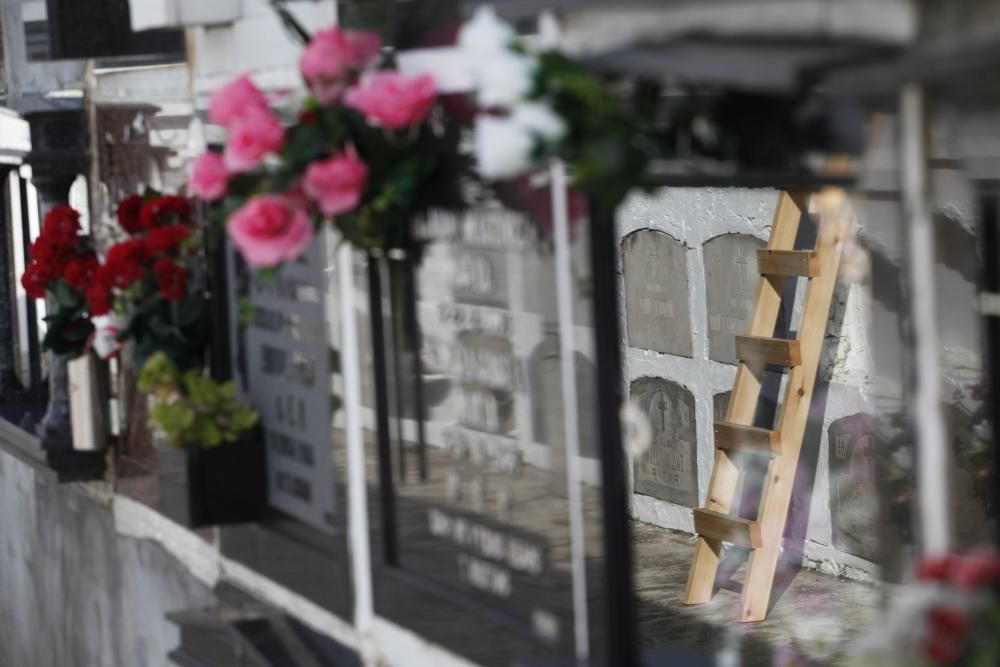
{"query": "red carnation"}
pixel 34 282
pixel 125 262
pixel 79 272
pixel 947 635
pixel 61 228
pixel 172 279
pixel 98 297
pixel 976 569
pixel 128 213
pixel 165 210
pixel 935 568
pixel 163 240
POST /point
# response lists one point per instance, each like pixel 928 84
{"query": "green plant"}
pixel 191 408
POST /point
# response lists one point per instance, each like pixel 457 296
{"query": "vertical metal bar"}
pixel 357 506
pixel 989 235
pixel 9 383
pixel 571 420
pixel 620 621
pixel 933 456
pixel 34 344
pixel 411 291
pixel 390 543
pixel 217 279
pixel 396 313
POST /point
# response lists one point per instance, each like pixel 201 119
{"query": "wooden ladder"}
pixel 758 348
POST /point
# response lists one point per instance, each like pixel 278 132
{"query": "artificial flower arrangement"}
pixel 62 266
pixel 190 407
pixel 143 292
pixel 148 283
pixel 368 151
pixel 950 615
pixel 145 280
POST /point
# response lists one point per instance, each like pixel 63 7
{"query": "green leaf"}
pixel 65 295
pixel 173 418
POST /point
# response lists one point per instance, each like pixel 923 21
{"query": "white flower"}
pixel 106 327
pixel 504 79
pixel 637 434
pixel 549 36
pixel 484 34
pixel 539 119
pixel 503 147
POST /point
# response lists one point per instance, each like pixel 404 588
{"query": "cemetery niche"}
pixel 657 308
pixel 854 499
pixel 669 468
pixel 731 279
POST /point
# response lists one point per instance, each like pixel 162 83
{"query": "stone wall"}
pixel 75 591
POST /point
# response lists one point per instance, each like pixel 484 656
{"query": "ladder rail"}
pixel 794 411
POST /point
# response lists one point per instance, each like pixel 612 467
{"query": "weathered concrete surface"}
pixel 812 615
pixel 73 592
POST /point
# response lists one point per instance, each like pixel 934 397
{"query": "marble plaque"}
pixel 731 280
pixel 854 485
pixel 657 312
pixel 288 360
pixel 547 409
pixel 669 469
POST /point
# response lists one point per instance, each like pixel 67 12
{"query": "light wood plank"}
pixel 802 263
pixel 794 412
pixel 742 438
pixel 764 350
pixel 727 528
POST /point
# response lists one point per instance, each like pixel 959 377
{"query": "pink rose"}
pixel 231 102
pixel 332 56
pixel 336 183
pixel 389 99
pixel 209 176
pixel 267 230
pixel 252 137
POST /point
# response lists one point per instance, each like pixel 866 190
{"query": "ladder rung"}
pixel 727 528
pixel 788 262
pixel 740 438
pixel 762 349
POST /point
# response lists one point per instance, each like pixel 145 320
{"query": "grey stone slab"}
pixel 731 280
pixel 854 497
pixel 547 416
pixel 669 469
pixel 657 309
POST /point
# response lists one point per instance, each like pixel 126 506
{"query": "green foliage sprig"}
pixel 192 408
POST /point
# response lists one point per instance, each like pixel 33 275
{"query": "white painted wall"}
pixel 255 43
pixel 694 216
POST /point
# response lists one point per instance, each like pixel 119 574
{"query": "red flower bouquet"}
pixel 948 616
pixel 62 266
pixel 148 279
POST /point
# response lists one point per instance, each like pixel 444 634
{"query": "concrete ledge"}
pixel 24 446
